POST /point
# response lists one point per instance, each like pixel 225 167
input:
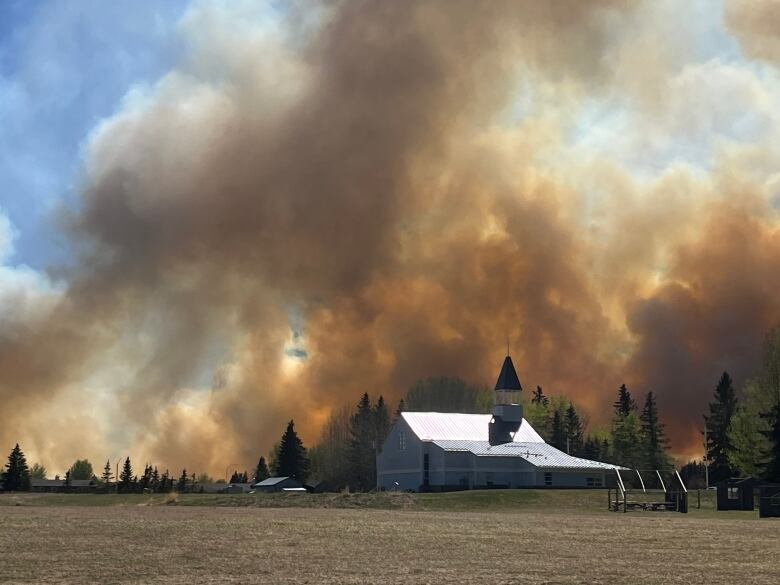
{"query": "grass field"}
pixel 472 537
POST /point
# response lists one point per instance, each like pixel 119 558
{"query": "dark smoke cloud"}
pixel 351 171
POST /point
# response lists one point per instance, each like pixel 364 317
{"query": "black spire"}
pixel 507 379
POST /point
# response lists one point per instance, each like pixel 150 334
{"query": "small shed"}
pixel 736 493
pixel 769 501
pixel 276 484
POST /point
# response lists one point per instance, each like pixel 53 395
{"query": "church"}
pixel 437 451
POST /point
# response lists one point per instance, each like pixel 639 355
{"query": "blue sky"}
pixel 63 66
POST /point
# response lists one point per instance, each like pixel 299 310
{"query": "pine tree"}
pixel 181 485
pixel 68 480
pixel 558 431
pixel 126 484
pixel 719 444
pixel 605 453
pixel 381 423
pixel 292 460
pixel 539 397
pixel 235 478
pixel 261 471
pixel 624 405
pixel 17 475
pixel 654 441
pixel 361 452
pixel 107 475
pixel 591 449
pixel 573 430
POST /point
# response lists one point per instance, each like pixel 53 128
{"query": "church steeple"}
pixel 507 412
pixel 507 378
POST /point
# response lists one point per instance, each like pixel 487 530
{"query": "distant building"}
pixel 434 451
pixel 84 486
pixel 278 484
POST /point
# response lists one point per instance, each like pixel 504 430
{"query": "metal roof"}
pixel 271 481
pixel 538 454
pixel 454 426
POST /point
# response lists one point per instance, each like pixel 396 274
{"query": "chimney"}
pixel 507 412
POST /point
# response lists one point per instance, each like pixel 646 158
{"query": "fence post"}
pixel 698 499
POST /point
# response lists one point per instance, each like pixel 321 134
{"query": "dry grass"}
pixel 177 544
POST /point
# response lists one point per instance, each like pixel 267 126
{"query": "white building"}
pixel 448 451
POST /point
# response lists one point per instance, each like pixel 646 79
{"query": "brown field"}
pixel 137 541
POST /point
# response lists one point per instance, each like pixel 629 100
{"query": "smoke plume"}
pixel 349 196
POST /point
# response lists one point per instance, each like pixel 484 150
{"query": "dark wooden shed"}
pixel 769 501
pixel 736 493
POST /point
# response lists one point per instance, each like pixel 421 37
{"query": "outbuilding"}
pixel 736 493
pixel 277 484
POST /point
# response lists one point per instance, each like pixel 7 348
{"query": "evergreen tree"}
pixel 235 478
pixel 154 483
pixel 361 452
pixel 401 408
pixel 68 480
pixel 747 431
pixel 605 453
pixel 654 441
pixel 181 485
pixel 591 449
pixel 381 423
pixel 17 475
pixel 624 405
pixel 126 483
pixel 573 429
pixel 773 435
pixel 719 445
pixel 539 397
pixel 166 483
pixel 558 431
pixel 625 431
pixel 107 475
pixel 292 460
pixel 261 471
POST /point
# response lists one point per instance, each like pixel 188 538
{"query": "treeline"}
pixel 635 437
pixel 743 426
pixel 290 459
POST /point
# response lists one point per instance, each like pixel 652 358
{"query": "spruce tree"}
pixel 361 452
pixel 17 475
pixel 165 482
pixel 126 478
pixel 625 431
pixel 261 471
pixel 401 408
pixel 235 478
pixel 573 429
pixel 719 445
pixel 381 423
pixel 107 475
pixel 68 480
pixel 624 405
pixel 539 398
pixel 654 441
pixel 181 485
pixel 558 431
pixel 292 460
